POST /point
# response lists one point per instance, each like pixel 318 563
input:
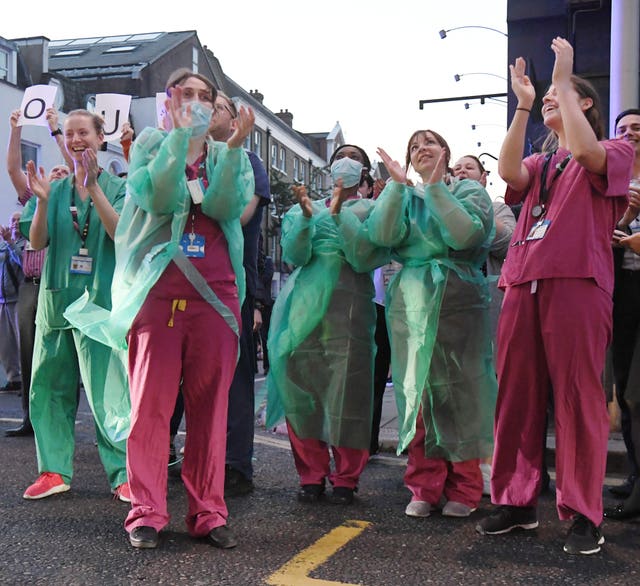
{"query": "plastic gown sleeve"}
pixel 231 184
pixel 154 172
pixel 460 214
pixel 297 234
pixel 386 224
pixel 361 253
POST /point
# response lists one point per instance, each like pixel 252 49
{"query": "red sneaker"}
pixel 122 493
pixel 48 483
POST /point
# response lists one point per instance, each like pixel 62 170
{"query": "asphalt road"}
pixel 78 538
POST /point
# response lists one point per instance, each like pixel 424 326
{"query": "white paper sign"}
pixel 36 100
pixel 114 108
pixel 161 109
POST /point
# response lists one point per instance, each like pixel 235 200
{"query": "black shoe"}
pixel 623 490
pixel 621 512
pixel 236 483
pixel 222 537
pixel 310 493
pixel 23 431
pixel 144 537
pixel 584 537
pixel 507 518
pixel 341 495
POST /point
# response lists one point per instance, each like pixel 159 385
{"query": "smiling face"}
pixel 468 168
pixel 80 134
pixel 551 114
pixel 423 152
pixel 628 128
pixel 58 172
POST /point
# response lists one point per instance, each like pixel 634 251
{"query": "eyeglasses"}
pixel 220 108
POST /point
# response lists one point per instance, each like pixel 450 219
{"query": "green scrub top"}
pixel 59 287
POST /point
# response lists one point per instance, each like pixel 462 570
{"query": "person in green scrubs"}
pixel 76 218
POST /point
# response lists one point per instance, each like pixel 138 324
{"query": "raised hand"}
pixel 340 194
pixel 180 118
pixel 91 168
pixel 396 170
pixel 52 119
pixel 127 132
pixel 437 174
pixel 563 66
pixel 521 84
pixel 244 123
pixel 38 183
pixel 14 118
pixel 300 191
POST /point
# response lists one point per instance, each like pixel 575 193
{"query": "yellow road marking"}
pixel 296 571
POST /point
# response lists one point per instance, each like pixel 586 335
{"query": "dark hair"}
pixel 96 119
pixel 593 115
pixel 365 158
pixel 439 139
pixel 477 160
pixel 628 112
pixel 179 76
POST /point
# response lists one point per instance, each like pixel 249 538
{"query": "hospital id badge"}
pixel 81 263
pixel 538 230
pixel 196 191
pixel 192 245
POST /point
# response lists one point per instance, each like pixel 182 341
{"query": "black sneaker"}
pixel 144 537
pixel 310 493
pixel 583 537
pixel 236 483
pixel 507 518
pixel 341 495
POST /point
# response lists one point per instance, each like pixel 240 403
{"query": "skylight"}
pixel 122 49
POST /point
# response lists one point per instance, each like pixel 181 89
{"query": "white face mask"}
pixel 348 170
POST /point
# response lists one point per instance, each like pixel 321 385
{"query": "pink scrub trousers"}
pixel 199 350
pixel 554 338
pixel 429 479
pixel 312 462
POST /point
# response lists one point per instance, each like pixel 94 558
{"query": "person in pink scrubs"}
pixel 555 323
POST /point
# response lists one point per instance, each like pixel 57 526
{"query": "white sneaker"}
pixel 455 509
pixel 418 509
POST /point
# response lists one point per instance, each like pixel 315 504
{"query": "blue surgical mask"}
pixel 348 170
pixel 200 118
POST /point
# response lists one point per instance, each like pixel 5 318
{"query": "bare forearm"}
pixel 510 166
pixel 14 162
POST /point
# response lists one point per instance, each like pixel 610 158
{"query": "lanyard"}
pixel 74 215
pixel 540 208
pixel 201 175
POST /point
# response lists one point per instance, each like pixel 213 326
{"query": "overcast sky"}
pixel 364 63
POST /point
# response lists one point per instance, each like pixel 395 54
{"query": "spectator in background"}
pixel 32 260
pixel 11 277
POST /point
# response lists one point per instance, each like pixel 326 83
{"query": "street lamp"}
pixel 443 33
pixel 458 76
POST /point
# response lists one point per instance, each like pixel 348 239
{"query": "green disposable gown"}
pixel 321 343
pixel 438 314
pixel 153 221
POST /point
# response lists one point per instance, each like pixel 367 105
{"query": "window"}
pixel 68 53
pixel 296 168
pixel 121 49
pixel 4 65
pixel 247 143
pixel 29 152
pixel 257 143
pixel 301 173
pixel 194 59
pixel 283 160
pixel 274 155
